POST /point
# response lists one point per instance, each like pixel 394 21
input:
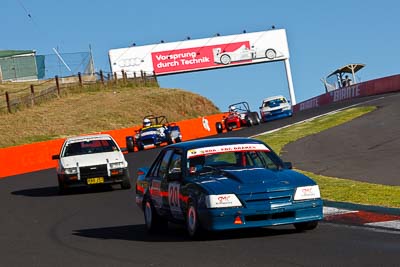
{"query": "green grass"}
pixel 332 188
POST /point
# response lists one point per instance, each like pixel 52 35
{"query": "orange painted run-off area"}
pixel 37 156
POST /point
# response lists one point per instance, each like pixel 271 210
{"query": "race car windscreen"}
pixel 89 147
pixel 230 156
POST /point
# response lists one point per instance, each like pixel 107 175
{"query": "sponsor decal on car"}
pixel 226 148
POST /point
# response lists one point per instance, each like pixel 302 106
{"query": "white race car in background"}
pixel 243 53
pixel 91 160
pixel 275 107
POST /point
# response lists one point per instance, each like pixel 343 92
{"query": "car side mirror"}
pixel 287 165
pixel 55 157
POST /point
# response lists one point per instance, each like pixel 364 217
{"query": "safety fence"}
pixel 37 92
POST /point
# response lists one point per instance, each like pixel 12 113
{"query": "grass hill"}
pixel 95 108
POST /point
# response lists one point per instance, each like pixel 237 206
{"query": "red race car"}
pixel 239 115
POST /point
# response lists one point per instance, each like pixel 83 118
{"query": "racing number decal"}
pixel 173 195
pixel 173 199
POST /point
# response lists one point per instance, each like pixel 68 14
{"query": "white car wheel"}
pixel 225 59
pixel 270 54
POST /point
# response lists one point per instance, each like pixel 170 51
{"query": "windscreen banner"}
pixel 201 54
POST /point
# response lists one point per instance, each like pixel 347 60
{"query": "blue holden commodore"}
pixel 225 183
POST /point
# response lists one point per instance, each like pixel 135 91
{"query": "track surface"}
pixel 365 149
pixel 105 228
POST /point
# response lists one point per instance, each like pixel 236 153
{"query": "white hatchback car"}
pixel 91 160
pixel 275 107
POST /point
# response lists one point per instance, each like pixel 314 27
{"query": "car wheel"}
pixel 152 220
pixel 249 122
pixel 62 188
pixel 304 226
pixel 225 59
pixel 270 54
pixel 218 126
pixel 256 118
pixel 140 146
pixel 169 139
pixel 192 221
pixel 126 184
pixel 130 145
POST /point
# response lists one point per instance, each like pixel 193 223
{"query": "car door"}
pixel 156 175
pixel 171 186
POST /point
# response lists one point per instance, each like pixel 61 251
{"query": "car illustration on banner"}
pixel 225 183
pixel 275 107
pixel 243 53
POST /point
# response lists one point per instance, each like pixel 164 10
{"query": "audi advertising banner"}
pixel 201 54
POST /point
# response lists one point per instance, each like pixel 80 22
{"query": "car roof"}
pixel 91 137
pixel 273 97
pixel 215 142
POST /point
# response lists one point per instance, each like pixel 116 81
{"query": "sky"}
pixel 322 36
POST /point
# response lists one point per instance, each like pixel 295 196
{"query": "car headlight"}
pixel 307 192
pixel 73 170
pixel 117 165
pixel 222 201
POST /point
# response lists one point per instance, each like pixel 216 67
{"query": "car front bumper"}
pixel 224 218
pixel 71 181
pixel 275 116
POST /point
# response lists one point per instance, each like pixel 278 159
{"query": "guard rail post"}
pixel 155 77
pixel 101 77
pixel 58 86
pixel 8 102
pixel 80 79
pixel 115 78
pixel 32 95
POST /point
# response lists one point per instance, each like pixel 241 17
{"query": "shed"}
pixel 18 65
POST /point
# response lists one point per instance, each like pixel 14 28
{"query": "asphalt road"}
pixel 365 149
pixel 105 228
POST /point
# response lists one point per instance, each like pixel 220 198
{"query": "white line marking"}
pixel 388 224
pixel 335 211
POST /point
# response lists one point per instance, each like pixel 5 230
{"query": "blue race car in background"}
pixel 225 183
pixel 275 107
pixel 156 131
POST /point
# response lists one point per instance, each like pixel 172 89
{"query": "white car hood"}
pixel 282 106
pixel 92 159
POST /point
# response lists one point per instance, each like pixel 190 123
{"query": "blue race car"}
pixel 275 107
pixel 225 183
pixel 156 131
